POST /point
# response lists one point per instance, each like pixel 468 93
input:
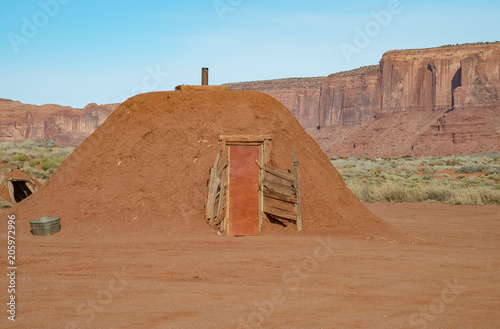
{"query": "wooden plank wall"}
pixel 215 208
pixel 281 196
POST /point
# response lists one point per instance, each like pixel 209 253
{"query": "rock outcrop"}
pixel 348 98
pixel 65 125
pixel 300 95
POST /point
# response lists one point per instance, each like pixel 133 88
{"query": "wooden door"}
pixel 243 190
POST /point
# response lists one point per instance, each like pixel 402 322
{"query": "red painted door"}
pixel 243 191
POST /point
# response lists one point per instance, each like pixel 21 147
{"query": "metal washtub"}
pixel 45 225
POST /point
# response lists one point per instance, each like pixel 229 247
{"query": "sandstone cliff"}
pixel 66 125
pixel 348 98
pixel 300 95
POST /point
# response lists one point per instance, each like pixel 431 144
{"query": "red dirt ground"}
pixel 209 281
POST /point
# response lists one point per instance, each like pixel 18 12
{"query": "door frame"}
pixel 264 143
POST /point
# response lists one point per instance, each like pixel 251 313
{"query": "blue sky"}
pixel 74 52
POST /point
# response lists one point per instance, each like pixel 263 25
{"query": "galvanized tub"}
pixel 45 225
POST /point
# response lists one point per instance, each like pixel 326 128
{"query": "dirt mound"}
pixel 145 169
pixel 16 185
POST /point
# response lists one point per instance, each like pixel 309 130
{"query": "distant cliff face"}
pixel 424 102
pixel 466 88
pixel 439 79
pixel 348 98
pixel 300 95
pixel 64 125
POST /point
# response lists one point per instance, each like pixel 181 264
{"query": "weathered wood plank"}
pixel 222 198
pixel 285 190
pixel 213 184
pixel 266 152
pixel 278 180
pixel 225 223
pixel 276 195
pixel 261 164
pixel 218 220
pixel 280 176
pixel 278 204
pixel 279 173
pixel 245 138
pixel 222 166
pixel 279 213
pixel 212 189
pixel 279 219
pixel 31 187
pixel 21 179
pixel 242 143
pixel 223 156
pixel 296 172
pixel 217 157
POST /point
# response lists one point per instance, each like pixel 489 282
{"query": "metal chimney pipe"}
pixel 204 76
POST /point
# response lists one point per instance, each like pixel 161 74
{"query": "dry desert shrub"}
pixel 397 192
pixel 438 193
pixel 475 196
pixel 361 190
pixel 394 192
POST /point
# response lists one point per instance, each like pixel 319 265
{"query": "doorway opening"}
pixel 243 188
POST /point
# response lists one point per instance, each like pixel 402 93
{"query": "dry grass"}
pixel 406 179
pixel 397 192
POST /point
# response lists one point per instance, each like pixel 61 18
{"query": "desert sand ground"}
pixel 449 277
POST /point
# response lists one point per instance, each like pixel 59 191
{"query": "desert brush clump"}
pixel 36 158
pixel 458 180
pixel 470 169
pixel 429 170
